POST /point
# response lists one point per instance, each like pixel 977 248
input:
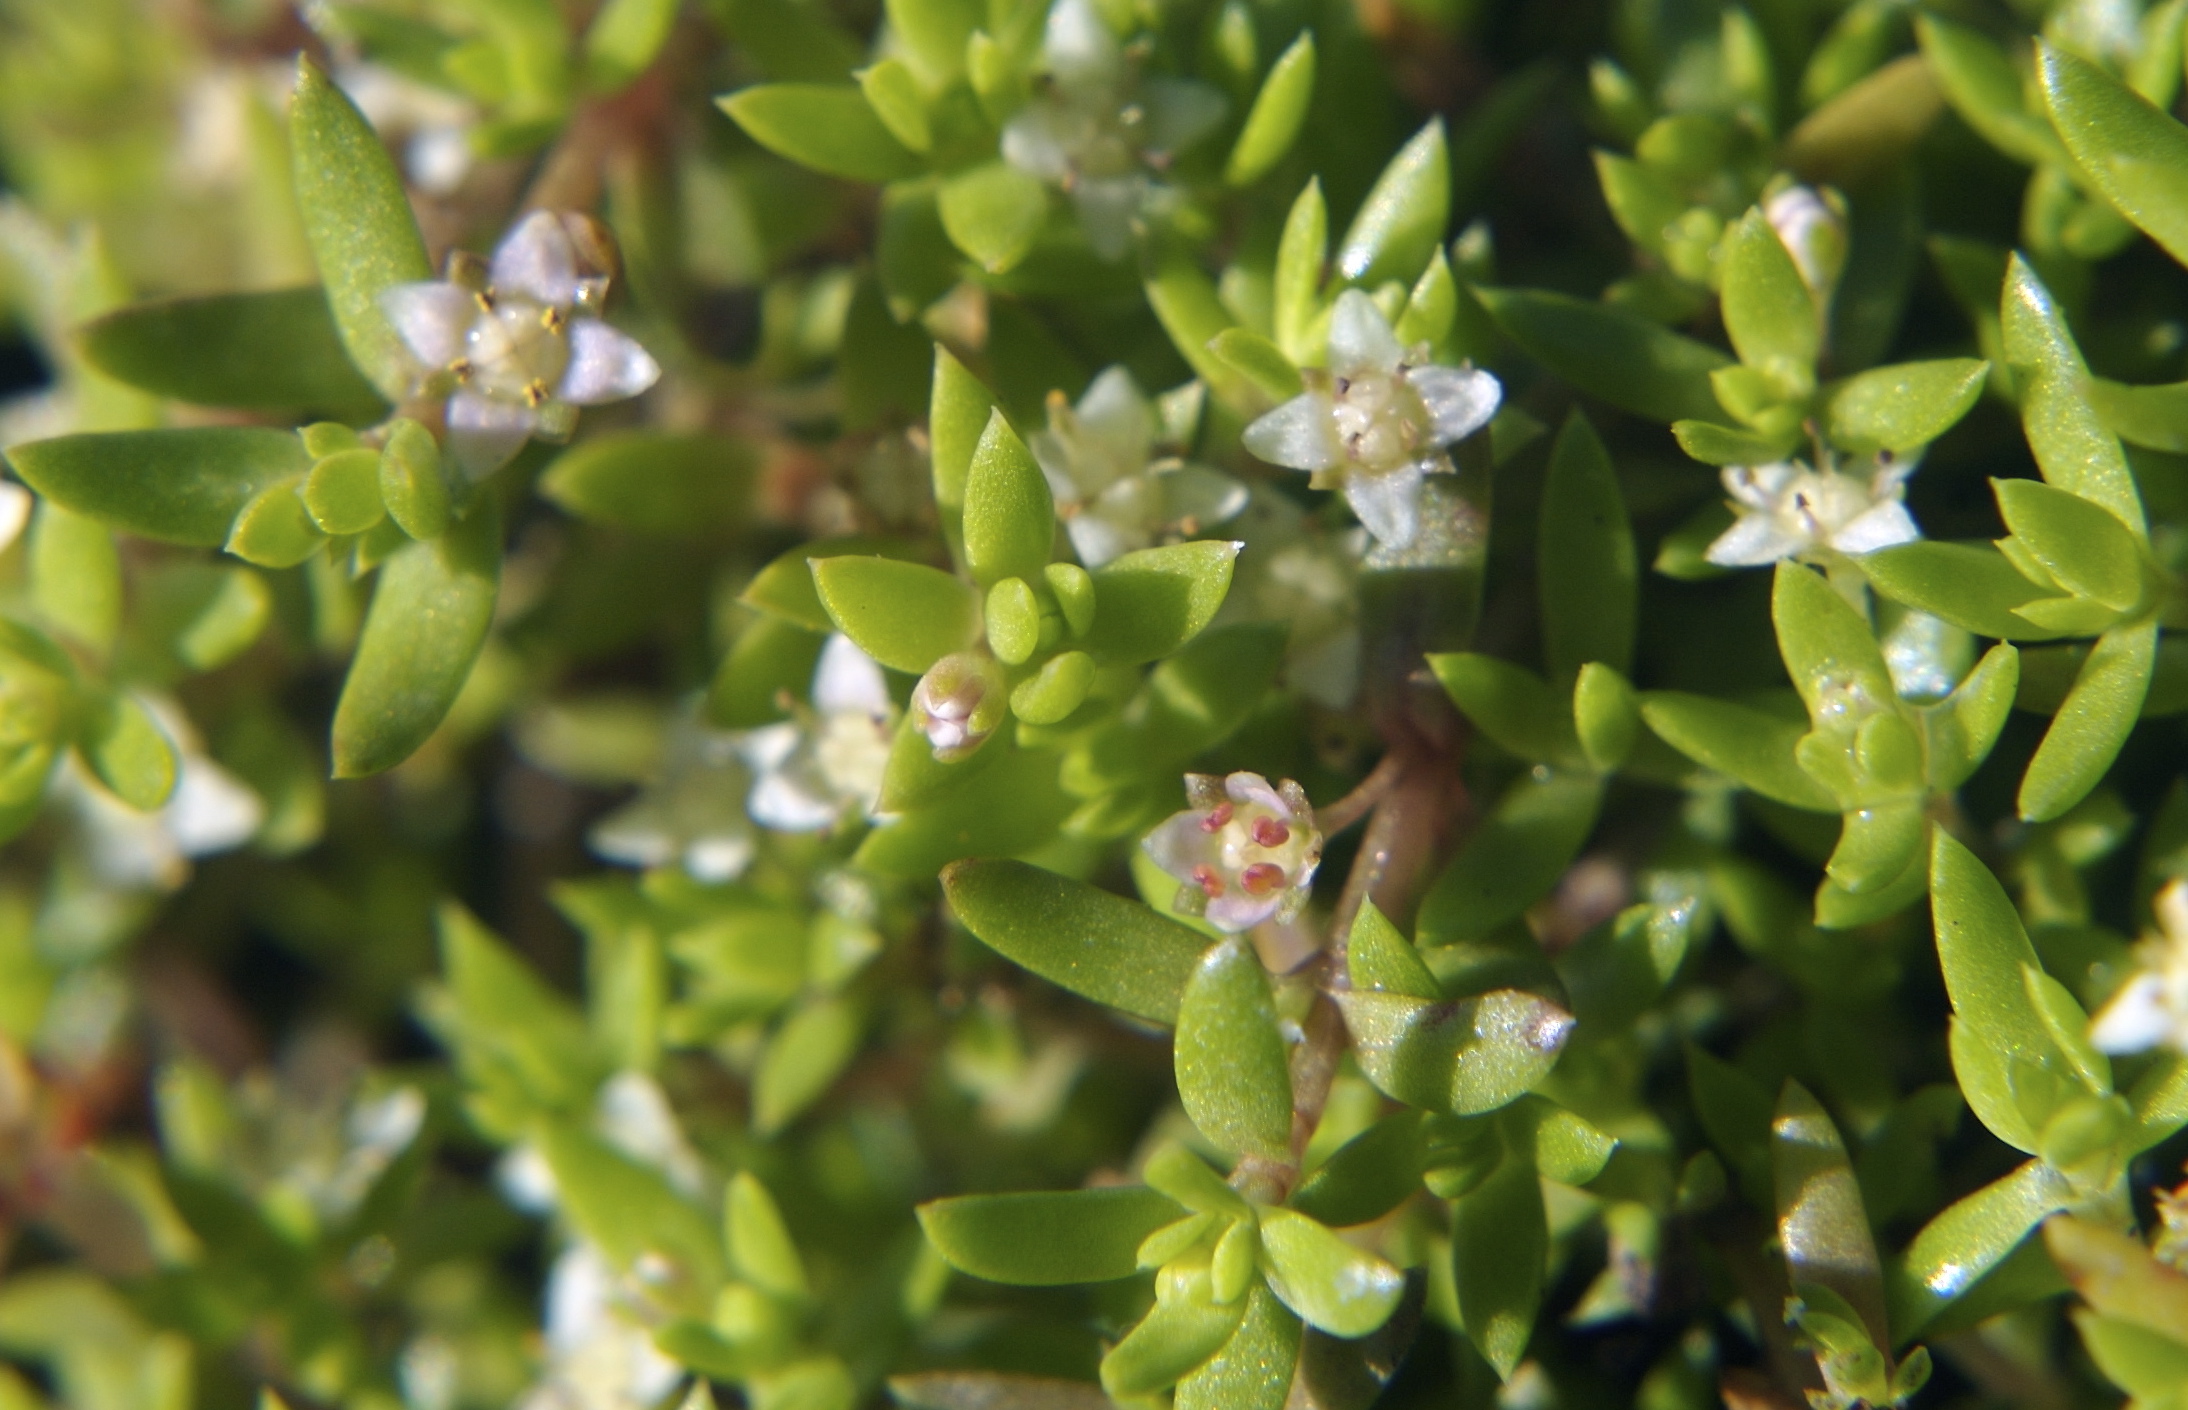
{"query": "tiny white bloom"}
pixel 600 1353
pixel 210 811
pixel 692 815
pixel 1245 852
pixel 1097 128
pixel 2151 1009
pixel 1376 421
pixel 1788 510
pixel 1813 231
pixel 1111 496
pixel 813 769
pixel 520 342
pixel 959 702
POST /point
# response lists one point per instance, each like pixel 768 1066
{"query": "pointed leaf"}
pixel 2093 723
pixel 1902 407
pixel 1333 1286
pixel 659 484
pixel 1499 1242
pixel 993 212
pixel 1588 570
pixel 1625 359
pixel 2073 448
pixel 1044 1239
pixel 425 628
pixel 2126 146
pixel 907 616
pixel 1253 1371
pixel 1753 749
pixel 1010 521
pixel 1822 1224
pixel 1508 703
pixel 1468 1056
pixel 178 486
pixel 1974 587
pixel 1152 601
pixel 1973 1236
pixel 130 752
pixel 1769 314
pixel 1514 857
pixel 1232 1065
pixel 273 350
pixel 1403 218
pixel 828 127
pixel 1279 110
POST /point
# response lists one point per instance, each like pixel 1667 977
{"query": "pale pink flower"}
pixel 1243 853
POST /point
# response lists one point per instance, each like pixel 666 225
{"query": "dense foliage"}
pixel 1009 705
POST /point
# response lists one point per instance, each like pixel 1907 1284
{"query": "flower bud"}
pixel 1244 852
pixel 1812 228
pixel 959 702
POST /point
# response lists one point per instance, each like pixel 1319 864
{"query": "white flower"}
pixel 1098 127
pixel 1788 510
pixel 1813 232
pixel 1095 457
pixel 600 1354
pixel 1377 421
pixel 692 815
pixel 2152 1007
pixel 1244 852
pixel 812 770
pixel 520 341
pixel 958 703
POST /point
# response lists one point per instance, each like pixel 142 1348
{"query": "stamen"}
pixel 1219 817
pixel 1210 884
pixel 485 300
pixel 551 319
pixel 1268 832
pixel 461 369
pixel 535 393
pixel 1261 878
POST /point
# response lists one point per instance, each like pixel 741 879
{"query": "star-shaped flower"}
pixel 692 815
pixel 1098 127
pixel 1377 421
pixel 1112 497
pixel 812 770
pixel 1788 510
pixel 2151 1008
pixel 1243 853
pixel 518 345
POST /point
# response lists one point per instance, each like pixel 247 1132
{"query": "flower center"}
pixel 518 349
pixel 1379 419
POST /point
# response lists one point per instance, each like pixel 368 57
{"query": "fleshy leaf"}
pixel 2087 732
pixel 1333 1286
pixel 1466 1056
pixel 1902 407
pixel 1588 569
pixel 2128 149
pixel 1621 357
pixel 1402 220
pixel 907 616
pixel 179 486
pixel 828 127
pixel 1499 1243
pixel 661 484
pixel 1154 600
pixel 1253 1371
pixel 2073 447
pixel 1514 857
pixel 1010 520
pixel 1279 110
pixel 276 350
pixel 1753 749
pixel 1231 1060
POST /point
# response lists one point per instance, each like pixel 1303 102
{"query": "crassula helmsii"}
pixel 1243 853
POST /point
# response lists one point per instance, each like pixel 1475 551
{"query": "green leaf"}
pixel 1232 1066
pixel 2087 550
pixel 1726 445
pixel 129 752
pixel 623 40
pixel 1466 1056
pixel 1509 703
pixel 784 588
pixel 358 219
pixel 654 483
pixel 1047 1239
pixel 1402 221
pixel 993 212
pixel 1736 1113
pixel 425 628
pixel 509 1030
pixel 1903 407
pixel 1969 1239
pixel 1111 950
pixel 342 493
pixel 2086 735
pixel 1015 808
pixel 1514 857
pixel 826 126
pixel 1253 1371
pixel 2156 417
pixel 266 351
pixel 178 486
pixel 1823 1227
pixel 1187 305
pixel 631 1211
pixel 907 616
pixel 1259 361
pixel 1974 587
pixel 1150 602
pixel 957 417
pixel 1279 110
pixel 210 613
pixel 1367 1177
pixel 1179 1334
pixel 2127 147
pixel 1567 1147
pixel 1379 958
pixel 1962 729
pixel 894 93
pixel 1769 314
pixel 1296 296
pixel 1828 647
pixel 1983 87
pixel 412 485
pixel 275 530
pixel 1753 749
pixel 2072 446
pixel 1010 521
pixel 2120 1279
pixel 75 576
pixel 1606 716
pixel 1644 203
pixel 1620 357
pixel 1588 572
pixel 1333 1286
pixel 1499 1244
pixel 802 1060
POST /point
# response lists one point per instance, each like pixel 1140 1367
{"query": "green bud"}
pixel 1059 688
pixel 1014 621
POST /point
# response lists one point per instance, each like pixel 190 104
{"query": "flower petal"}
pixel 484 434
pixel 1108 206
pixel 1758 486
pixel 784 802
pixel 2134 1019
pixel 1179 113
pixel 1079 45
pixel 769 746
pixel 605 365
pixel 1389 504
pixel 1299 434
pixel 1050 453
pixel 633 836
pixel 1199 494
pixel 1755 540
pixel 1034 142
pixel 211 809
pixel 1460 400
pixel 431 318
pixel 718 857
pixel 15 502
pixel 1115 409
pixel 1240 910
pixel 1097 539
pixel 848 679
pixel 1247 789
pixel 1360 337
pixel 1881 527
pixel 537 260
pixel 1179 844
